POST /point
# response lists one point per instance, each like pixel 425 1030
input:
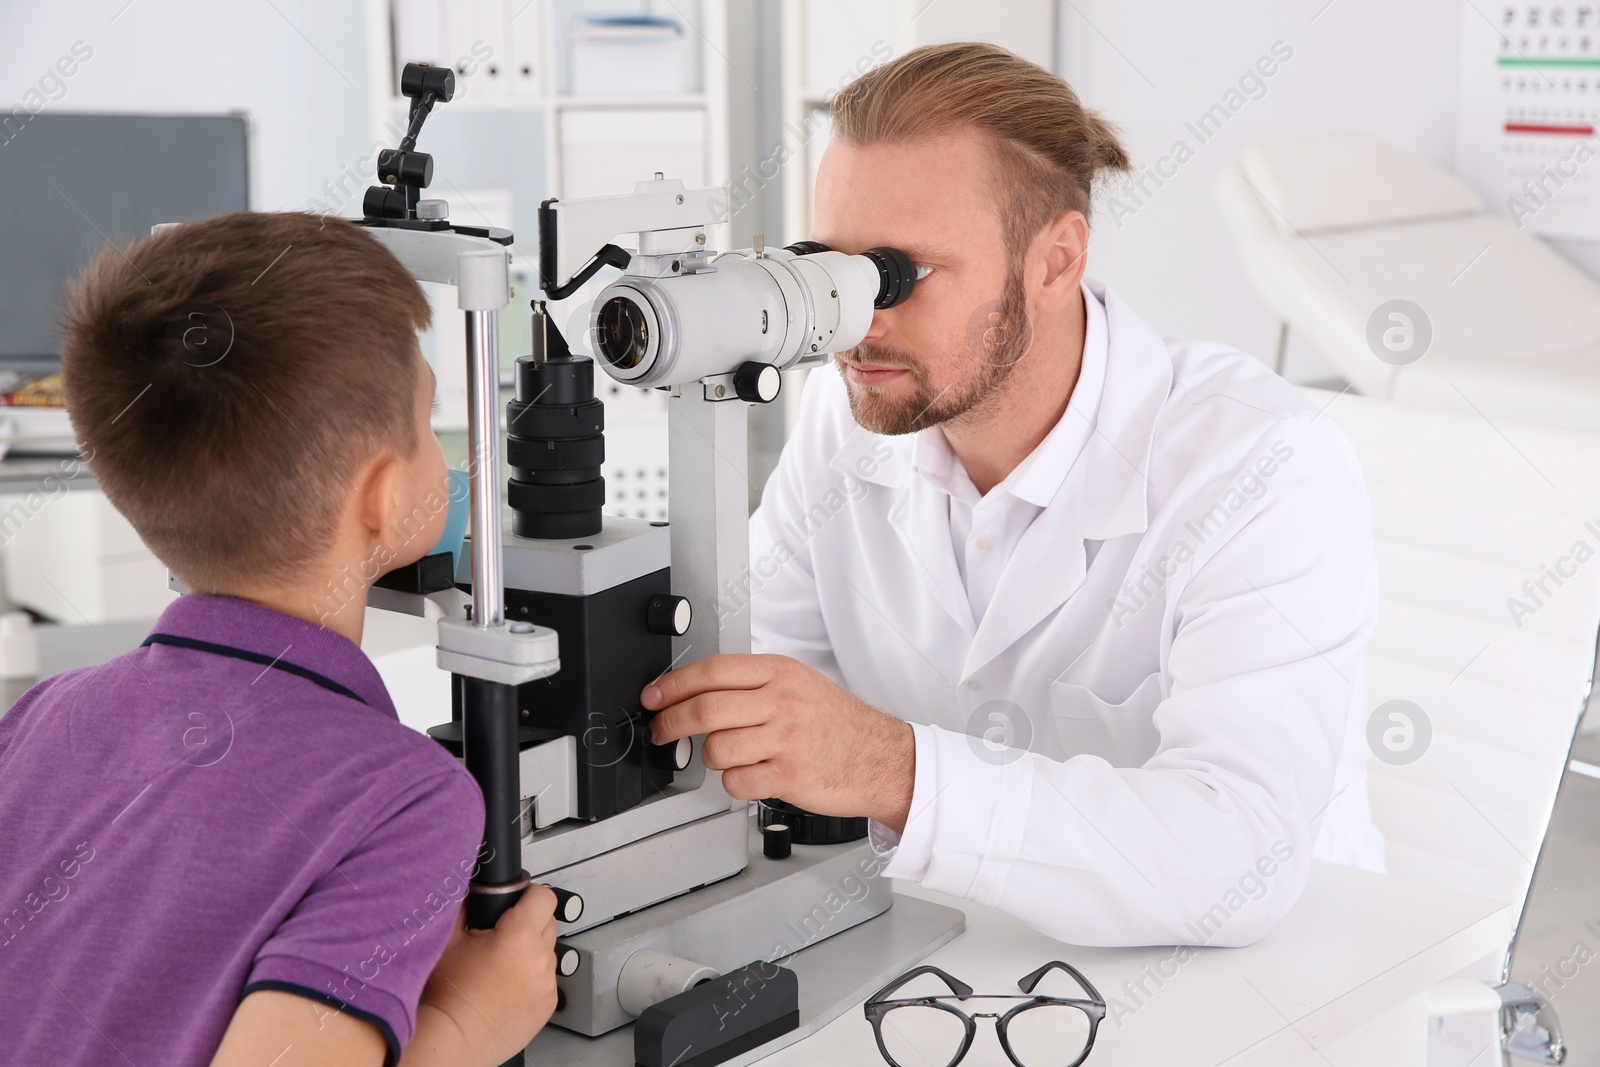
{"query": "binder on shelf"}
pixel 526 63
pixel 476 42
pixel 418 35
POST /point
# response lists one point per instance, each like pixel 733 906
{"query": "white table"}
pixel 1341 982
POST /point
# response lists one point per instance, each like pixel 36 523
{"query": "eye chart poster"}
pixel 1529 108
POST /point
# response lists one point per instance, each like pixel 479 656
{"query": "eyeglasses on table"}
pixel 931 1031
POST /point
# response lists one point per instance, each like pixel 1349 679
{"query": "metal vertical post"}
pixel 489 709
pixel 708 448
pixel 483 431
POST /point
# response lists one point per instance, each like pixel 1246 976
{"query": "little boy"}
pixel 223 846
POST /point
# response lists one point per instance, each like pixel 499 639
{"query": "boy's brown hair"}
pixel 1048 148
pixel 227 377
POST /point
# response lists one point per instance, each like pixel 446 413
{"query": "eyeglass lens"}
pixel 917 1035
pixel 1044 1035
pixel 1048 1035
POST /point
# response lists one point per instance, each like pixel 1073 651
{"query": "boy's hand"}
pixel 497 987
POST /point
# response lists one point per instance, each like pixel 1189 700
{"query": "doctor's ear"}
pixel 1063 246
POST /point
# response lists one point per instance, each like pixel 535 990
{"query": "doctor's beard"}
pixel 997 339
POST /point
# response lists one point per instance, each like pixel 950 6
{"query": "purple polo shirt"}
pixel 232 806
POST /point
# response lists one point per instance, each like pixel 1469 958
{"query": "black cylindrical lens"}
pixel 896 275
pixel 554 381
pixel 622 334
pixel 555 446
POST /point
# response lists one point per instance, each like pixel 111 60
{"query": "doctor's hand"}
pixel 778 728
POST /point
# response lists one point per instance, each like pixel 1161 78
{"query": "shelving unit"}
pixel 515 125
pixel 543 95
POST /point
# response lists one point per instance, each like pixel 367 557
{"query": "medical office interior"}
pixel 1395 206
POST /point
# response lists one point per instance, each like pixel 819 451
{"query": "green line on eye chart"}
pixel 1552 61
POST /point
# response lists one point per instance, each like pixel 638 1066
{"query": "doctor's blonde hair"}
pixel 1048 149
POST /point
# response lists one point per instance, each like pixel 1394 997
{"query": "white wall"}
pixel 297 66
pixel 1388 67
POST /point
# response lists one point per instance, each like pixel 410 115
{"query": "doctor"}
pixel 1074 614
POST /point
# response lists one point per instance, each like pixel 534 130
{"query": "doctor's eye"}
pixel 923 270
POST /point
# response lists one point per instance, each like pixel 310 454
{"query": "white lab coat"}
pixel 1176 639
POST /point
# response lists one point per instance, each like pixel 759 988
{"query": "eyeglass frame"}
pixel 877 1006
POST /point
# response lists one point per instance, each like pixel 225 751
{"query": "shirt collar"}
pixel 1039 476
pixel 296 645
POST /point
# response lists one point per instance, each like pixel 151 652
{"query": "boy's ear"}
pixel 376 486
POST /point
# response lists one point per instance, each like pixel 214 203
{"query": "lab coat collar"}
pixel 1040 476
pixel 855 457
pixel 936 462
pixel 1138 380
pixel 919 513
pixel 1103 495
pixel 920 517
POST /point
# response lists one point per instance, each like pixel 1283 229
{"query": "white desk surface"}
pixel 1355 945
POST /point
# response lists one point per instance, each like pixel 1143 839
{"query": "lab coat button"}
pixel 974 684
pixel 984 544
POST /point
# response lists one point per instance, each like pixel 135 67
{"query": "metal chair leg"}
pixel 1529 1028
